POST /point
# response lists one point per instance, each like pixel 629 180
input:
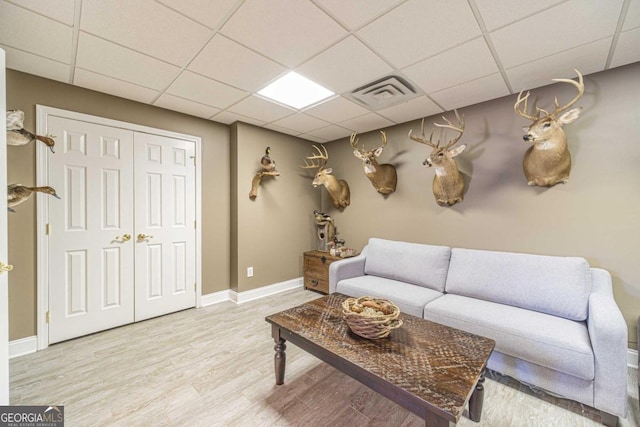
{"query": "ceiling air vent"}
pixel 384 93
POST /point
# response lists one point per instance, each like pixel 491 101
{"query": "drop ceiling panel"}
pixel 498 13
pixel 145 26
pixel 336 110
pixel 200 89
pixel 228 117
pixel 288 32
pixel 59 10
pixel 225 60
pixel 33 64
pixel 94 81
pixel 300 122
pixel 418 29
pixel 106 58
pixel 484 89
pixel 633 16
pixel 549 33
pixel 30 32
pixel 445 69
pixel 261 109
pixel 628 49
pixel 371 121
pixel 585 59
pixel 330 133
pixel 345 66
pixel 410 110
pixel 174 103
pixel 205 12
pixel 355 13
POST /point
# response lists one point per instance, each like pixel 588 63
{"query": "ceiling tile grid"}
pixel 208 59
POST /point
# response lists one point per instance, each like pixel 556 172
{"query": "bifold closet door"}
pixel 91 259
pixel 165 271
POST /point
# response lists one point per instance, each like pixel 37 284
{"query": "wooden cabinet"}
pixel 316 270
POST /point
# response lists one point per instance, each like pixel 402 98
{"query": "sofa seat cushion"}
pixel 418 264
pixel 553 342
pixel 549 284
pixel 411 299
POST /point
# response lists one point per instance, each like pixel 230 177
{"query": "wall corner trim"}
pixel 23 346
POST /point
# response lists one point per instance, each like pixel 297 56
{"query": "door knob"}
pixel 142 237
pixel 5 267
pixel 124 238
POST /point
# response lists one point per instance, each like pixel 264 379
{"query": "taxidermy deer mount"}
pixel 338 189
pixel 383 176
pixel 268 169
pixel 448 184
pixel 548 161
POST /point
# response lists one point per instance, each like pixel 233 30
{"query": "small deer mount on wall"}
pixel 268 169
pixel 548 161
pixel 338 189
pixel 383 177
pixel 448 183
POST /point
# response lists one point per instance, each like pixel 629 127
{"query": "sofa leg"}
pixel 608 419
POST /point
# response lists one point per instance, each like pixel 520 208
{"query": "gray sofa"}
pixel 554 319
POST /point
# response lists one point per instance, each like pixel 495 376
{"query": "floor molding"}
pixel 632 358
pixel 253 294
pixel 23 346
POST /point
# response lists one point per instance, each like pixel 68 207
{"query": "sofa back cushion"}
pixel 555 285
pixel 418 264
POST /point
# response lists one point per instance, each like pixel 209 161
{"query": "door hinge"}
pixel 47 229
pixel 194 160
pixel 48 316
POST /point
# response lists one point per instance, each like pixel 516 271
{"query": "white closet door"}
pixel 91 262
pixel 165 225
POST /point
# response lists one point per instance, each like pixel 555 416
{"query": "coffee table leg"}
pixel 280 358
pixel 476 400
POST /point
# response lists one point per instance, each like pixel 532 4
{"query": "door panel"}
pixel 165 215
pixel 91 266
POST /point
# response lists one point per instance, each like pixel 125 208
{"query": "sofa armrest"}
pixel 608 334
pixel 346 269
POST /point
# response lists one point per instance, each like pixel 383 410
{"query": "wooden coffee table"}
pixel 430 369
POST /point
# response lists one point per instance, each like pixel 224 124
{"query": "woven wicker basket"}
pixel 371 326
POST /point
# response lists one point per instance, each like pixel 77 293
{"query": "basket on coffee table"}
pixel 371 318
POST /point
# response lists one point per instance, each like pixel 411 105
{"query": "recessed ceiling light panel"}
pixel 294 90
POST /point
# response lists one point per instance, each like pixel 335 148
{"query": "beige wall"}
pixel 596 215
pixel 24 91
pixel 271 232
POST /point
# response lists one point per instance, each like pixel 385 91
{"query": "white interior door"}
pixel 91 261
pixel 164 225
pixel 4 255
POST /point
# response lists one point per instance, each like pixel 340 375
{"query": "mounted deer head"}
pixel 338 189
pixel 383 176
pixel 548 161
pixel 448 184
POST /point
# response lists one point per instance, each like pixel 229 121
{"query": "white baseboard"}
pixel 215 298
pixel 242 297
pixel 632 358
pixel 265 291
pixel 23 346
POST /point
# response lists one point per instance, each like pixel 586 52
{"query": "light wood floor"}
pixel 214 367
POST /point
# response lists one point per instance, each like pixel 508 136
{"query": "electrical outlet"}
pixel 249 271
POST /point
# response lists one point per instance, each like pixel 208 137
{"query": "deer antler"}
pixel 354 141
pixel 578 84
pixel 422 139
pixel 384 139
pixel 523 112
pixel 449 125
pixel 320 155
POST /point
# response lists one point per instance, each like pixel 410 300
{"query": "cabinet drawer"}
pixel 316 270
